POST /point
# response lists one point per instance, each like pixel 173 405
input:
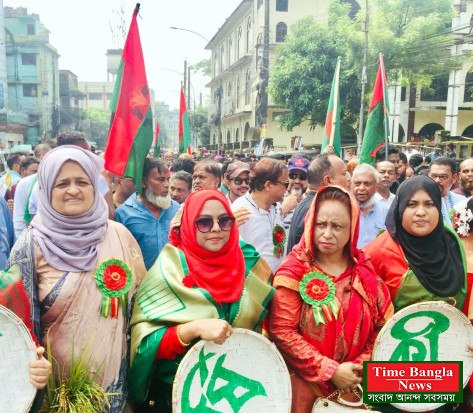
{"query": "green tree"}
pixel 203 66
pixel 414 36
pixel 200 126
pixel 302 75
pixel 95 124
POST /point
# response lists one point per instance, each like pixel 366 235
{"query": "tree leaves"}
pixel 415 37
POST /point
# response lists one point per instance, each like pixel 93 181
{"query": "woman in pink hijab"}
pixel 79 269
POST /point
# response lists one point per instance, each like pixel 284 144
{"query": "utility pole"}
pixel 364 80
pixel 261 110
pixel 189 86
pixel 185 77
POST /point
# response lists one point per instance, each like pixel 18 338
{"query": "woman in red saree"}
pixel 329 303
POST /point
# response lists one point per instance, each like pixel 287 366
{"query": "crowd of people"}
pixel 210 244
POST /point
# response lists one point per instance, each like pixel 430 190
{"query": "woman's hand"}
pixel 40 370
pixel 210 329
pixel 346 377
pixel 241 215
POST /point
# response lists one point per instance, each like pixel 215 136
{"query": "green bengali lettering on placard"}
pixel 214 395
pixel 431 332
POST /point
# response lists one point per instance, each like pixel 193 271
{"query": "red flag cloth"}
pixel 374 136
pixel 131 135
pixel 184 126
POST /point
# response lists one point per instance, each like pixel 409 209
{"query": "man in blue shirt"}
pixel 364 185
pixel 148 215
pixel 434 154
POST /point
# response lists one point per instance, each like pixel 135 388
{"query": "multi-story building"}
pixel 12 124
pixel 70 96
pixel 96 94
pixel 237 64
pixel 238 68
pixel 33 73
pixel 168 124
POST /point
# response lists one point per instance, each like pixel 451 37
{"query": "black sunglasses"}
pixel 285 184
pixel 302 176
pixel 206 224
pixel 239 181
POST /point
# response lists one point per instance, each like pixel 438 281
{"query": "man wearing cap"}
pixel 298 184
pixel 237 179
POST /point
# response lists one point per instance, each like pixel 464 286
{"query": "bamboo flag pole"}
pixel 335 101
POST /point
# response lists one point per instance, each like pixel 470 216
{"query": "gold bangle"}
pixel 179 337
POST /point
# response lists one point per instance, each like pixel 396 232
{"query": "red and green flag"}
pixel 377 125
pixel 157 144
pixel 332 121
pixel 184 127
pixel 131 131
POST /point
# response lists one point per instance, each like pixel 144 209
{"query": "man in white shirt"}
pixel 410 151
pixel 373 214
pixel 443 171
pixel 387 176
pixel 263 227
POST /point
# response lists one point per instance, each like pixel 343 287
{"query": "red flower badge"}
pixel 318 290
pixel 113 279
pixel 279 238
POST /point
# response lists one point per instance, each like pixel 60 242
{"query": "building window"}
pixel 230 52
pixel 30 29
pixel 249 34
pixel 215 64
pixel 229 139
pixel 468 95
pixel 30 90
pixel 239 43
pixel 281 31
pixel 438 92
pixel 403 93
pixel 95 96
pixel 236 135
pixel 238 92
pixel 247 88
pixel 281 5
pixel 222 54
pixel 229 89
pixel 28 59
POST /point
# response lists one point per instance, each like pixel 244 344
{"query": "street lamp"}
pixel 191 31
pixel 185 63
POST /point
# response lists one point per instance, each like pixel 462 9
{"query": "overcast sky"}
pixel 80 31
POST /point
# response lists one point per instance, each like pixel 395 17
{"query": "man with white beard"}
pixel 148 215
pixel 364 185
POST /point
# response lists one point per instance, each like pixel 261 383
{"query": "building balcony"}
pixel 228 107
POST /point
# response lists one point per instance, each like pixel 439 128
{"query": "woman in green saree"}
pixel 204 283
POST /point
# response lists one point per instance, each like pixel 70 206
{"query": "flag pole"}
pixel 335 101
pixel 385 107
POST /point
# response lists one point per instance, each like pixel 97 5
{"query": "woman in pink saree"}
pixel 79 270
